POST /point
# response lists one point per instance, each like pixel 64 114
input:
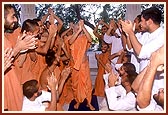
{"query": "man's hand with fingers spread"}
pixel 25 42
pixel 8 58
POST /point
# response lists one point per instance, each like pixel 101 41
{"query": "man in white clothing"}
pixel 121 97
pixel 150 42
pixel 145 85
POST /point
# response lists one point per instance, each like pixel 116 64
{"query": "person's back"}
pixel 153 41
pixel 36 105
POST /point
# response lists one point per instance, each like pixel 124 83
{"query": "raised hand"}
pixel 101 22
pixel 51 19
pixel 112 23
pixel 80 28
pixel 8 58
pixel 81 23
pixel 112 79
pixel 50 11
pixel 127 26
pixel 120 52
pixel 25 42
pixel 108 68
pixel 52 82
pixel 71 25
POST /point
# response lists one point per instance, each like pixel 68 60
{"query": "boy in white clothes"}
pixel 34 97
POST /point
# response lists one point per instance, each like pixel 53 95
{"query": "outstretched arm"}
pixel 136 84
pixel 53 83
pixel 64 75
pixel 113 56
pixel 73 38
pixel 127 27
pixel 111 27
pixel 145 88
pixel 87 34
pixel 52 34
pixel 107 68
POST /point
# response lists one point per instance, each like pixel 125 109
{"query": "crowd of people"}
pixel 45 68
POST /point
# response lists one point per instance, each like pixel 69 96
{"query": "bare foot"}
pixel 91 107
pixel 76 105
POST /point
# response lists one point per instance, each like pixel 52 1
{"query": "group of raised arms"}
pixel 45 68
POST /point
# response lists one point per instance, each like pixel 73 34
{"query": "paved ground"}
pixel 93 65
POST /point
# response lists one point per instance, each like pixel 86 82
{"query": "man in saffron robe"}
pixel 81 81
pixel 13 96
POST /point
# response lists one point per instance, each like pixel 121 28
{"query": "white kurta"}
pixel 150 43
pixel 118 100
pixel 36 105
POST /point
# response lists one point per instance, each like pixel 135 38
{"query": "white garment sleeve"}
pixel 118 32
pixel 151 107
pixel 124 103
pixel 45 96
pixel 148 48
pixel 108 39
pixel 117 66
pixel 32 105
pixel 130 50
pixel 34 109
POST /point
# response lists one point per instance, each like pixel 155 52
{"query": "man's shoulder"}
pixel 32 105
